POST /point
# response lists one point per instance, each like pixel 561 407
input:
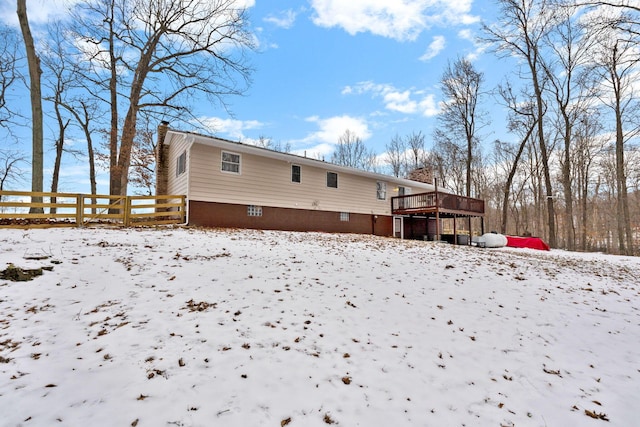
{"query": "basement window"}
pixel 181 164
pixel 230 162
pixel 253 210
pixel 344 216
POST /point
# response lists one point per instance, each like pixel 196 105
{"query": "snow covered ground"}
pixel 189 327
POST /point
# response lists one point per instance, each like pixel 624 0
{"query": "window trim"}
pixel 222 162
pixel 336 175
pixel 299 181
pixel 181 163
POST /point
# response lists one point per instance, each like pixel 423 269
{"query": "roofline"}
pixel 215 141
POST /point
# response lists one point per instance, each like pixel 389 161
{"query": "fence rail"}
pixel 21 209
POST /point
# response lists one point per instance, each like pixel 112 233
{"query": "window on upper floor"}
pixel 296 173
pixel 230 162
pixel 381 190
pixel 181 164
pixel 332 180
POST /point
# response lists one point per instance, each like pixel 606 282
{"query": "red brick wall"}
pixel 210 214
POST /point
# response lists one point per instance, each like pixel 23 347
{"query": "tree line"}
pixel 570 172
pixel 113 69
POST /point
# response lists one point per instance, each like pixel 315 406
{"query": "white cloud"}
pixel 401 101
pixel 38 11
pixel 284 19
pixel 479 48
pixel 436 46
pixel 321 142
pixel 231 128
pixel 398 19
pixel 332 128
pixel 429 106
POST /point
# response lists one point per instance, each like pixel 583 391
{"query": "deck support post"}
pixel 437 237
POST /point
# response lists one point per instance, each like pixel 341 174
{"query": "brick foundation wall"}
pixel 210 214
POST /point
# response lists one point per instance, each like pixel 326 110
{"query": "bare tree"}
pixel 158 54
pixel 522 121
pixel 58 81
pixel 8 74
pixel 588 145
pixel 461 118
pixel 35 92
pixel 618 62
pixel 143 158
pixel 351 151
pixel 520 32
pixel 569 50
pixel 395 155
pixel 10 171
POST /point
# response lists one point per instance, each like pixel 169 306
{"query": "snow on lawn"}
pixel 190 327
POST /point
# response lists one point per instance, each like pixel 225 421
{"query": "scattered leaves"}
pixel 597 416
pixel 328 420
pixel 199 306
pixel 551 371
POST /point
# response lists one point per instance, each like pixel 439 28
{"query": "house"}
pixel 231 184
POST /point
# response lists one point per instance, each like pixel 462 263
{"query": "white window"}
pixel 296 175
pixel 381 190
pixel 344 216
pixel 181 164
pixel 332 180
pixel 230 162
pixel 253 210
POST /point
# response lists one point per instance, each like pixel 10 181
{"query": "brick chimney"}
pixel 421 175
pixel 162 166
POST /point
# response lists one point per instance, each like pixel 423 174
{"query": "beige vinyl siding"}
pixel 265 181
pixel 178 145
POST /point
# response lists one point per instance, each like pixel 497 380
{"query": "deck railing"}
pixel 22 209
pixel 430 202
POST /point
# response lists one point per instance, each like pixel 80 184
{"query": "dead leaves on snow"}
pixel 596 415
pixel 199 306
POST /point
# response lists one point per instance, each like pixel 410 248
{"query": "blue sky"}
pixel 369 66
pixel 325 66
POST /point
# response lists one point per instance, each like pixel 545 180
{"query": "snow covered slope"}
pixel 190 327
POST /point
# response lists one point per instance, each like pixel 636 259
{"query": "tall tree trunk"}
pixel 33 61
pixel 566 186
pixel 551 222
pixel 512 173
pixel 62 127
pixel 114 175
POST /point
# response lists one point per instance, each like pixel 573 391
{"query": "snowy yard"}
pixel 186 327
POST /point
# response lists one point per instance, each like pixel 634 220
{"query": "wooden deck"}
pixel 436 202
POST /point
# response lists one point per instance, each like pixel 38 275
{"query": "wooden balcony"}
pixel 444 204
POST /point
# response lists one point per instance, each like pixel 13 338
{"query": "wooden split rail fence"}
pixel 24 209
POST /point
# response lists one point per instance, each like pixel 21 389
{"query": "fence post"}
pixel 79 210
pixel 127 207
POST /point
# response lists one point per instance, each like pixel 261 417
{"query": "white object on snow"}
pixel 492 240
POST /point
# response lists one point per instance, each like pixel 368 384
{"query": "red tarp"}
pixel 527 242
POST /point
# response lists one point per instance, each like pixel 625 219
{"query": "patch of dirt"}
pixel 17 274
